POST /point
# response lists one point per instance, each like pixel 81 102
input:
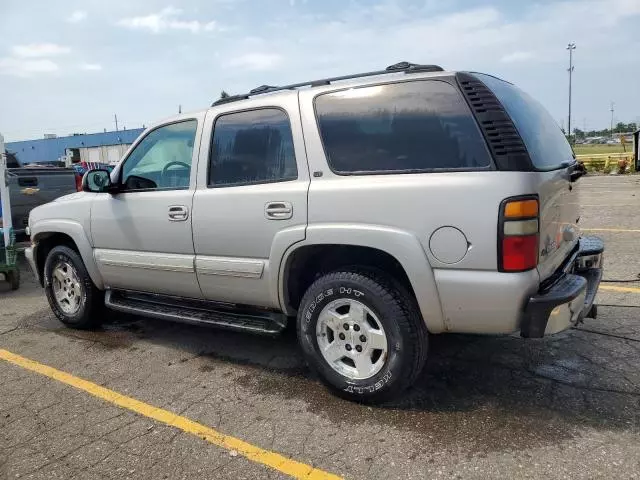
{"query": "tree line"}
pixel 620 127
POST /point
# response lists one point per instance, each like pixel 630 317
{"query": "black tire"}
pixel 399 316
pixel 91 310
pixel 13 277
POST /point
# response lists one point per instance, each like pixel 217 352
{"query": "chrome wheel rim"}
pixel 67 288
pixel 351 339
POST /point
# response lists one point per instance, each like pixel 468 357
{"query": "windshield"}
pixel 547 146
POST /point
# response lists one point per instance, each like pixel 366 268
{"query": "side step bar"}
pixel 198 312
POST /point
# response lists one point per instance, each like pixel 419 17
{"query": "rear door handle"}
pixel 278 210
pixel 178 213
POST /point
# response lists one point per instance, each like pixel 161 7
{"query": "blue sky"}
pixel 68 66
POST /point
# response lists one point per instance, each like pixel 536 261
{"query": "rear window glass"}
pixel 401 127
pixel 547 146
pixel 252 147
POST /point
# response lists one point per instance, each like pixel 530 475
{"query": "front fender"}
pixel 402 245
pixel 43 228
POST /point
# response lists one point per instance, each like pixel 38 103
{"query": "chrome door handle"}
pixel 178 213
pixel 278 210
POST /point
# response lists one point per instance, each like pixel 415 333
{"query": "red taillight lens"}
pixel 78 183
pixel 519 253
pixel 518 234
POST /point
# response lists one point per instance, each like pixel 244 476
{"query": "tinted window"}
pixel 162 160
pixel 252 147
pixel 548 148
pixel 409 126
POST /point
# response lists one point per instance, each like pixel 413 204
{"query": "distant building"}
pixel 107 147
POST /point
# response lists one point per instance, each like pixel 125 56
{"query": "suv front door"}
pixel 251 202
pixel 142 234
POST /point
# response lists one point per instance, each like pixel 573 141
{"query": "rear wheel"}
pixel 73 297
pixel 362 334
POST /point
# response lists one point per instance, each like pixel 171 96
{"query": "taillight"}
pixel 518 234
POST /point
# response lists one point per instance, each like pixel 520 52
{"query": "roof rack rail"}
pixel 405 67
pixel 230 98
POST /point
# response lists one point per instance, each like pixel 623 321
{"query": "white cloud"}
pixel 77 16
pixel 91 67
pixel 256 61
pixel 517 57
pixel 32 59
pixel 35 50
pixel 166 19
pixel 20 67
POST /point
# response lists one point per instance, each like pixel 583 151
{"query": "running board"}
pixel 198 312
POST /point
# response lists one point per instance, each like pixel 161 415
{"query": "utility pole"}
pixel 571 47
pixel 116 119
pixel 612 110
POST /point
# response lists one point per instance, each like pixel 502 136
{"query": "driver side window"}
pixel 162 160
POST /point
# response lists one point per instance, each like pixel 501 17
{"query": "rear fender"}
pixel 402 245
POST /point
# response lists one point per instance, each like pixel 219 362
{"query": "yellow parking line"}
pixel 609 230
pixel 255 454
pixel 614 288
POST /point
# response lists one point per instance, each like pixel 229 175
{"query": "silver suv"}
pixel 369 210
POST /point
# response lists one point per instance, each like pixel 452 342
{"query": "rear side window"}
pixel 252 147
pixel 547 146
pixel 403 127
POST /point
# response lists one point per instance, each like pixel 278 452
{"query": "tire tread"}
pixel 94 309
pixel 407 315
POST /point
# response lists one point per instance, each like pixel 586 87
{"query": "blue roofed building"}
pixel 106 147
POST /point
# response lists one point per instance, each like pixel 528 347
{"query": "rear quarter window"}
pixel 547 146
pixel 415 126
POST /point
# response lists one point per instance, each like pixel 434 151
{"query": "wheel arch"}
pixel 50 233
pixel 328 247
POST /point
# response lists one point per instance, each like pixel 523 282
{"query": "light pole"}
pixel 571 47
pixel 612 110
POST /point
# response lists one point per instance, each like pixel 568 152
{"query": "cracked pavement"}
pixel 566 406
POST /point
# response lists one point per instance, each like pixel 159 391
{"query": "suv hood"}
pixel 71 197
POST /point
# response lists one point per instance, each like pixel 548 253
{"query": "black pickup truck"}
pixel 34 186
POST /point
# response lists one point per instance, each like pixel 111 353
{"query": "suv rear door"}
pixel 250 203
pixel 552 161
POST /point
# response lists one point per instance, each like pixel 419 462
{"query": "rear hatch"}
pixel 552 162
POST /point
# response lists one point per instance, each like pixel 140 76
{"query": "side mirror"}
pixel 96 181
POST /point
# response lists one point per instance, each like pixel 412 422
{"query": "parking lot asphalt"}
pixel 565 406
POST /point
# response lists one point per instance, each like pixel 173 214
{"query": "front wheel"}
pixel 73 297
pixel 362 334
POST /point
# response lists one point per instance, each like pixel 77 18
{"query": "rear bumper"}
pixel 569 299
